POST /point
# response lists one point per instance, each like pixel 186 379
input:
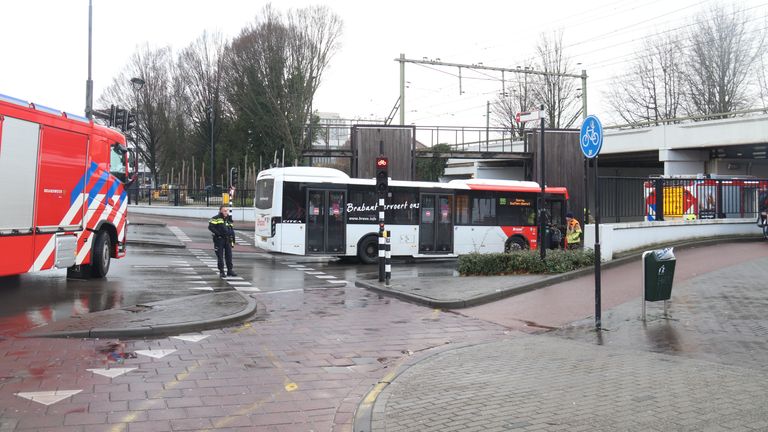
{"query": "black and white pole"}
pixel 382 242
pixel 387 257
pixel 382 188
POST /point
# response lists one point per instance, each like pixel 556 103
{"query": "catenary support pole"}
pixel 402 89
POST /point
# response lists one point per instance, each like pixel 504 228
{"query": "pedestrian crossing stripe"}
pixel 252 288
pixel 202 288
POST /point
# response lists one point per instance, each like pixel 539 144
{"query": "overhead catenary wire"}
pixel 634 53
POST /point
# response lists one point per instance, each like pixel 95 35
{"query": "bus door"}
pixel 325 221
pixel 436 223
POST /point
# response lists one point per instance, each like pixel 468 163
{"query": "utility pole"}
pixel 210 122
pixel 487 123
pixel 89 82
pixel 402 89
pixel 583 94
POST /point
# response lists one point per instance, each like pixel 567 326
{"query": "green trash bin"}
pixel 658 274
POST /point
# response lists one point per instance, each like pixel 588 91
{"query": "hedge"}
pixel 524 262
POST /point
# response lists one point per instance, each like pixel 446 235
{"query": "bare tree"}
pixel 719 62
pixel 274 68
pixel 558 94
pixel 653 88
pixel 153 100
pixel 516 98
pixel 200 76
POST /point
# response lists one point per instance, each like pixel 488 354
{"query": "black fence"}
pixel 629 199
pixel 188 197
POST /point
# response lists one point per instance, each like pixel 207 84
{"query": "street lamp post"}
pixel 137 84
pixel 210 121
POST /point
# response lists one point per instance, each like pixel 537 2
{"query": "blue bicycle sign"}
pixel 591 136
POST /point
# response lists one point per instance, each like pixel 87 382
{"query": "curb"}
pixel 155 244
pixel 510 292
pixel 159 330
pixel 362 418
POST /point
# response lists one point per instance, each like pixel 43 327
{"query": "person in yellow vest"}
pixel 572 232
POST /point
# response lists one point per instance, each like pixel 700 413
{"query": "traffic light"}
pixel 382 176
pixel 233 176
pixel 119 117
pixel 130 121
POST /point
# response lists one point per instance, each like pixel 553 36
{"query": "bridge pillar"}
pixel 683 162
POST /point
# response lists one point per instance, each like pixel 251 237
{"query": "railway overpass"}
pixel 734 146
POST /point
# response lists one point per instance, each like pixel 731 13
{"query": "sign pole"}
pixel 591 141
pixel 598 320
pixel 542 200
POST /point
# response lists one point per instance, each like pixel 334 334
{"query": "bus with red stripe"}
pixel 322 211
pixel 62 189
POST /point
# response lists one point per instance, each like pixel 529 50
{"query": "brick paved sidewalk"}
pixel 702 370
pixel 534 383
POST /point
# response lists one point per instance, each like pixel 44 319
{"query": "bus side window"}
pixel 462 209
pixel 293 203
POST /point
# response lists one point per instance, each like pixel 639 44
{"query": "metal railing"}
pixel 629 199
pixel 188 197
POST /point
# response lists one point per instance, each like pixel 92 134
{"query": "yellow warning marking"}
pixel 243 328
pixel 291 386
pixel 373 394
pixel 125 421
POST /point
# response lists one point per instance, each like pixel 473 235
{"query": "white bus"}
pixel 322 211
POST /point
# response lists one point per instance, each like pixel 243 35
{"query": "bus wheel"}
pixel 368 249
pixel 515 244
pixel 100 255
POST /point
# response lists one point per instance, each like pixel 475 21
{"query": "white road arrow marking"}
pixel 112 372
pixel 158 354
pixel 48 397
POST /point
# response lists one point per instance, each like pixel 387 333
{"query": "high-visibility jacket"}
pixel 218 226
pixel 573 232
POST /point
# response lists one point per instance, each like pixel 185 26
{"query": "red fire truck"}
pixel 62 192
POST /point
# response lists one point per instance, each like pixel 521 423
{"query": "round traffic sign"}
pixel 591 136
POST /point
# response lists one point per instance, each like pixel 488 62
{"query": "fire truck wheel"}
pixel 368 249
pixel 100 255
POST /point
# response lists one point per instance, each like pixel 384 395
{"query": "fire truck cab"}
pixel 62 192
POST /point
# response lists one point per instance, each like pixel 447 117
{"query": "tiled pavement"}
pixel 303 367
pixel 534 383
pixel 704 369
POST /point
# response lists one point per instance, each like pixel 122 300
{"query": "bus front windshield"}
pixel 118 162
pixel 264 188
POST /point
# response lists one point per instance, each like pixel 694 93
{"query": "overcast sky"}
pixel 45 46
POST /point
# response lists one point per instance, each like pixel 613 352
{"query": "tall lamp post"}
pixel 209 109
pixel 137 84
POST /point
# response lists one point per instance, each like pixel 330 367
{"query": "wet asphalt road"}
pixel 151 273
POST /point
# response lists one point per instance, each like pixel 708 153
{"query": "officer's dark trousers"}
pixel 223 249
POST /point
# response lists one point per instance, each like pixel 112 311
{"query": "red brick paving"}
pixel 305 366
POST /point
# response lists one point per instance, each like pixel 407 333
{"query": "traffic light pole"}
pixel 382 188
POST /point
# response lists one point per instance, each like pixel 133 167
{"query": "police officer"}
pixel 222 239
